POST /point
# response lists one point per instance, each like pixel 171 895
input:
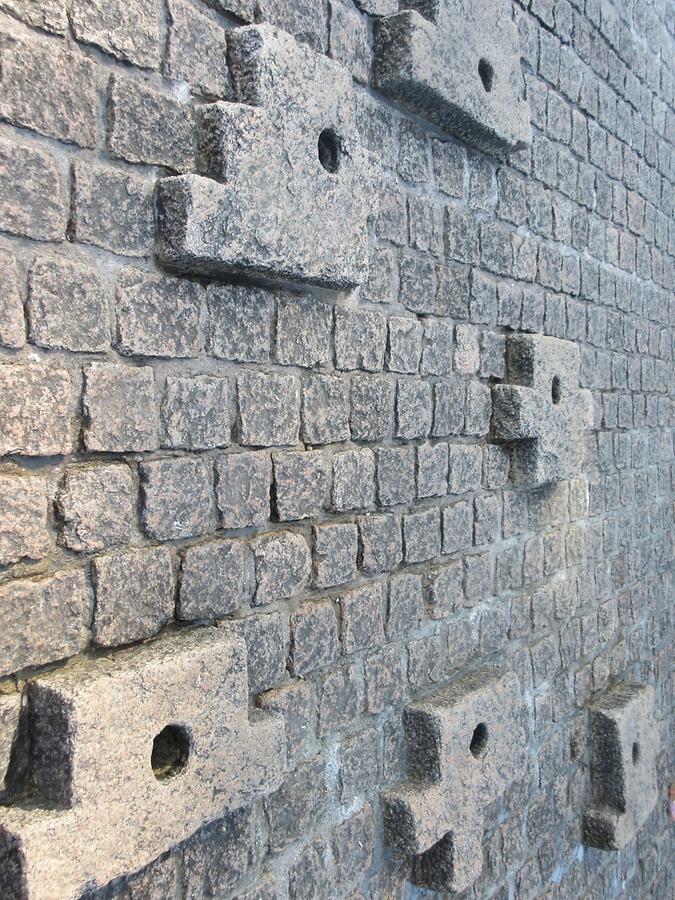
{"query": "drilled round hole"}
pixel 479 740
pixel 487 74
pixel 170 751
pixel 636 753
pixel 556 389
pixel 329 150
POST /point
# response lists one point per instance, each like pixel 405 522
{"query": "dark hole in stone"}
pixel 329 150
pixel 479 740
pixel 170 751
pixel 556 389
pixel 636 753
pixel 487 74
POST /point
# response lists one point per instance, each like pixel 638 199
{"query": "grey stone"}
pixel 335 553
pixel 67 307
pixel 240 323
pixel 449 406
pixel 119 408
pixel 459 68
pixel 300 483
pixel 417 284
pixel 134 595
pixel 295 701
pixel 195 413
pixel 129 751
pixel 97 507
pixel 404 610
pixel 317 178
pixel 541 411
pixel 43 620
pixel 23 529
pixel 444 589
pixel 308 876
pixel 10 707
pixel 449 162
pixel 266 647
pixel 362 618
pixel 294 809
pixel 176 498
pixel 360 339
pixel 243 489
pixel 461 235
pixel 306 20
pixel 157 316
pixel 452 295
pixel 325 409
pixel 349 40
pixel 130 31
pixel 414 408
pixel 313 636
pixel 624 744
pixel 464 468
pixel 12 325
pixel 197 51
pixel 371 407
pixel 269 407
pixel 405 344
pixel 282 566
pixel 379 286
pixel 457 527
pixel 33 192
pixel 216 578
pixel 49 15
pixel 381 543
pixel 395 475
pixel 437 346
pixel 36 409
pixel 422 535
pixel 432 470
pixel 353 480
pixel 467 350
pixel 478 409
pixel 304 328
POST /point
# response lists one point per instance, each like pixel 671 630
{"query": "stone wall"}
pixel 303 452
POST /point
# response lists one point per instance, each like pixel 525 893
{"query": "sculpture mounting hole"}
pixel 329 150
pixel 170 751
pixel 556 389
pixel 487 74
pixel 636 753
pixel 479 740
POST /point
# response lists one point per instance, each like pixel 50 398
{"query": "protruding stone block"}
pixel 542 411
pixel 457 64
pixel 284 187
pixel 624 743
pixel 465 744
pixel 137 752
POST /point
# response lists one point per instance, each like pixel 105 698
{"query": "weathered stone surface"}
pixel 240 322
pixel 33 193
pixel 43 620
pixel 304 328
pixel 349 40
pixel 197 51
pixel 35 409
pixel 102 724
pixel 362 618
pixel 195 413
pixel 465 744
pixel 269 407
pixel 282 566
pixel 371 407
pixel 624 744
pixel 360 339
pixel 176 498
pixel 266 647
pixel 325 409
pixel 216 579
pixel 315 177
pixel 10 707
pixel 335 551
pixel 67 307
pixel 127 30
pixel 353 480
pixel 49 15
pixel 458 65
pixel 295 701
pixel 96 505
pixel 23 528
pixel 119 408
pixel 306 20
pixel 381 543
pixel 12 325
pixel 301 484
pixel 313 636
pixel 294 809
pixel 243 489
pixel 134 595
pixel 542 411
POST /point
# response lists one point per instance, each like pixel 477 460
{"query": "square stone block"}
pixel 284 189
pixel 131 754
pixel 542 413
pixel 465 744
pixel 624 743
pixel 457 63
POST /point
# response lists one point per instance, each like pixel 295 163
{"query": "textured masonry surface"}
pixel 291 428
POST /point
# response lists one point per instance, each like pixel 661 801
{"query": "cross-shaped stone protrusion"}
pixel 465 744
pixel 542 413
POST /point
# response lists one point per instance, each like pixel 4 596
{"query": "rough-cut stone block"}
pixel 313 636
pixel 67 307
pixel 12 325
pixel 23 528
pixel 216 579
pixel 306 20
pixel 195 413
pixel 381 543
pixel 325 409
pixel 266 647
pixel 465 745
pixel 335 552
pixel 50 15
pixel 353 480
pixel 457 65
pixel 371 407
pixel 294 809
pixel 541 411
pixel 165 726
pixel 130 31
pixel 33 193
pixel 304 328
pixel 176 498
pixel 282 566
pixel 301 484
pixel 624 744
pixel 362 618
pixel 134 595
pixel 119 408
pixel 10 707
pixel 269 407
pixel 295 701
pixel 96 505
pixel 240 322
pixel 243 489
pixel 43 620
pixel 35 410
pixel 360 339
pixel 312 171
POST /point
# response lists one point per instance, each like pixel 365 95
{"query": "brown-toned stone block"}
pixel 23 526
pixel 624 744
pixel 115 740
pixel 10 707
pixel 35 409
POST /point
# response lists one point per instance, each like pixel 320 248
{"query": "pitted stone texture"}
pixel 243 489
pixel 23 527
pixel 282 566
pixel 10 707
pixel 459 68
pixel 35 410
pixel 263 204
pixel 465 744
pixel 93 727
pixel 624 744
pixel 119 408
pixel 96 505
pixel 542 411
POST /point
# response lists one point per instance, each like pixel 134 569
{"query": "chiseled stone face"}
pixel 135 753
pixel 465 744
pixel 457 65
pixel 624 743
pixel 284 188
pixel 542 413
